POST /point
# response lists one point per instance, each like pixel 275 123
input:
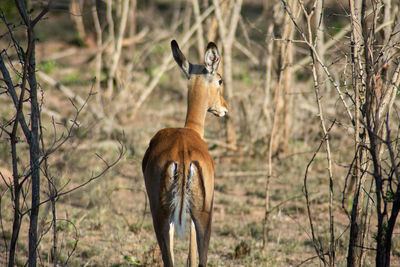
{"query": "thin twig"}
pixel 68 92
pixel 242 173
pixel 316 76
pixel 319 60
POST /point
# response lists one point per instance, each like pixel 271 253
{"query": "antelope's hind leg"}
pixel 163 230
pixel 161 221
pixel 202 221
pixel 157 187
pixel 192 258
pixel 171 240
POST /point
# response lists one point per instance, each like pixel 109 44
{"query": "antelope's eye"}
pixel 220 82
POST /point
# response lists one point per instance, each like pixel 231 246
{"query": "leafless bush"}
pixel 25 136
pixel 374 79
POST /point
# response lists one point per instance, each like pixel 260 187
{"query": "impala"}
pixel 177 167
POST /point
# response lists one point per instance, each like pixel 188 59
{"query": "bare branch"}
pixel 319 60
pixel 68 92
pixel 200 39
pixel 167 64
pixel 93 177
pixel 117 47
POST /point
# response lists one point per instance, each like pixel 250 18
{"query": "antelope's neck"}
pixel 196 108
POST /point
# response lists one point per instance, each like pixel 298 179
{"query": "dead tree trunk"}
pixel 32 135
pixel 355 252
pixel 227 29
pixel 34 156
pixel 282 101
pixel 376 75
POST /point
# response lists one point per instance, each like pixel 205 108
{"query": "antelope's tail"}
pixel 180 194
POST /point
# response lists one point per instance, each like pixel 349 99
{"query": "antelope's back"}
pixel 181 145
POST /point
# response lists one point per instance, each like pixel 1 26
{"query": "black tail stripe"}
pixel 183 189
pixel 164 174
pixel 201 179
pixel 189 177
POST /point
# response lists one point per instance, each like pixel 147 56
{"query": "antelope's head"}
pixel 204 77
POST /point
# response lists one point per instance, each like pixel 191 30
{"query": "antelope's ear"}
pixel 212 58
pixel 180 58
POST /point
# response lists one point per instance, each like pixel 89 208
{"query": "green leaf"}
pixel 132 260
